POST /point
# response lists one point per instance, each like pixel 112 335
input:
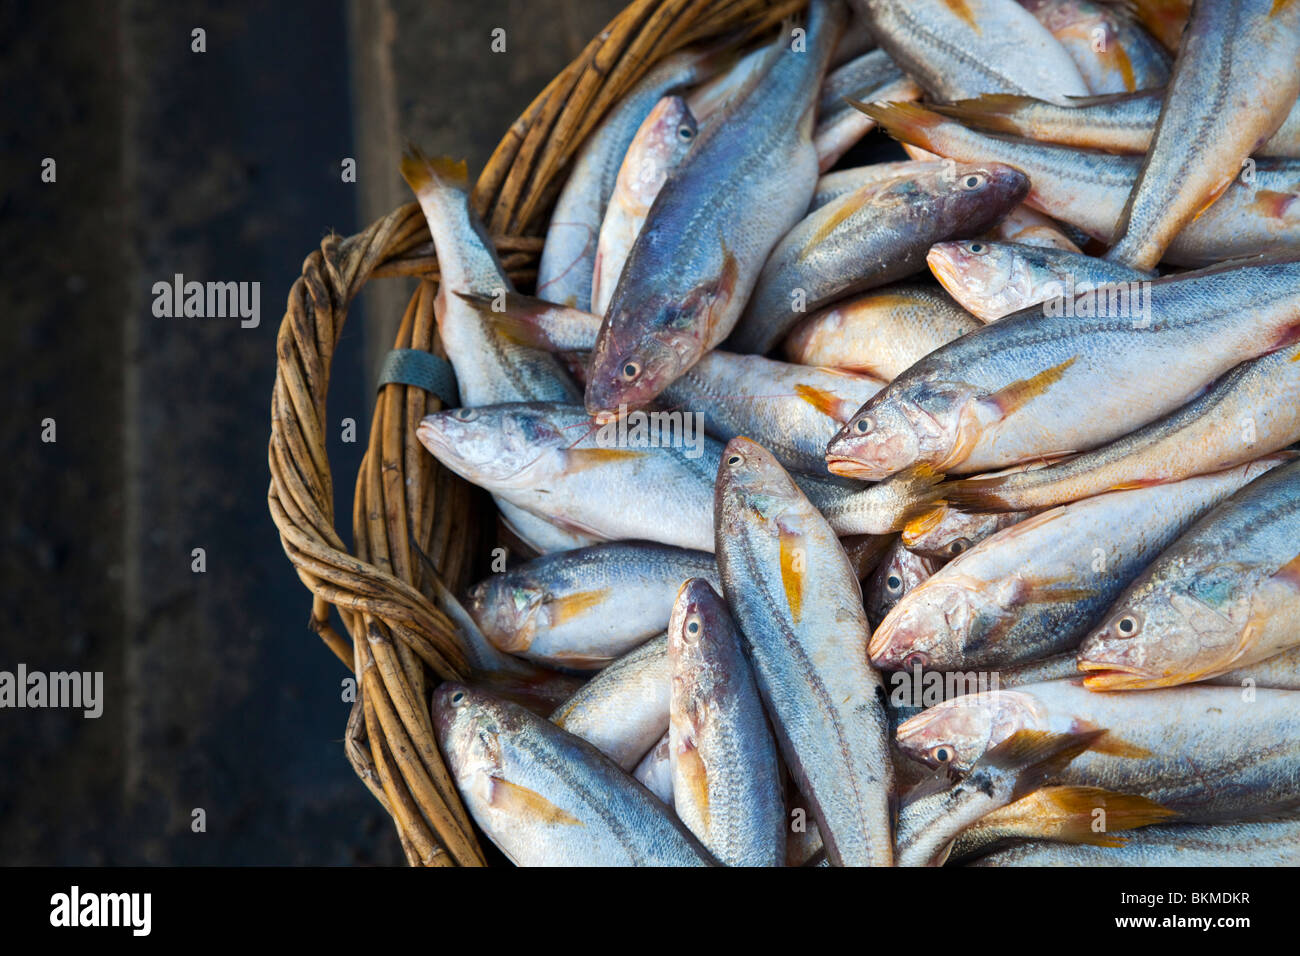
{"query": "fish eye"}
pixel 733 460
pixel 630 371
pixel 976 248
pixel 692 628
pixel 1127 625
pixel 941 753
pixel 466 414
pixel 862 426
pixel 458 698
pixel 916 659
pixel 958 546
pixel 973 181
pixel 894 582
pixel 685 133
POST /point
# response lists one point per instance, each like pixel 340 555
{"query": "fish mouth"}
pixel 1104 675
pixel 852 468
pixel 945 270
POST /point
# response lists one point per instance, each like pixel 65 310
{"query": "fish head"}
pixel 904 424
pixel 630 368
pixel 510 610
pixel 971 198
pixel 701 646
pixel 1158 638
pixel 934 625
pixel 987 278
pixel 493 445
pixel 751 480
pixel 467 724
pixel 898 574
pixel 959 731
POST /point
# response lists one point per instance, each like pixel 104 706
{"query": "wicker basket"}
pixel 407 508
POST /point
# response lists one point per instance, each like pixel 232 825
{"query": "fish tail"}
pixel 1091 815
pixel 513 323
pixel 978 495
pixel 424 175
pixel 922 491
pixel 906 122
pixel 993 111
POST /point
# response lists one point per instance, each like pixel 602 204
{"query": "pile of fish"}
pixel 939 509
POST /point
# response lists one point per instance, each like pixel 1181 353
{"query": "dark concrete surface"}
pixel 223 166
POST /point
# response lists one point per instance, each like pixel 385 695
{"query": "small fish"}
pixel 1037 385
pixel 547 798
pixel 1234 82
pixel 1067 815
pixel 1258 213
pixel 550 460
pixel 1224 596
pixel 490 368
pixel 898 574
pixel 582 609
pixel 1205 752
pixel 799 607
pixel 995 279
pixel 1266 843
pixel 712 225
pixel 564 274
pixel 1123 123
pixel 962 49
pixel 623 710
pixel 1113 53
pixel 869 238
pixel 1253 410
pixel 928 824
pixel 725 772
pixel 1034 589
pixel 658 148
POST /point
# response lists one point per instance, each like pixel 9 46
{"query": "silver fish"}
pixel 745 182
pixel 869 238
pixel 584 608
pixel 957 50
pixel 547 798
pixel 564 274
pixel 726 776
pixel 1206 752
pixel 1234 82
pixel 1225 595
pixel 799 607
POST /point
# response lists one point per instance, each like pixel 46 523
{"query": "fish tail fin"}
pixel 513 323
pixel 923 492
pixel 906 122
pixel 995 112
pixel 423 174
pixel 978 495
pixel 1035 756
pixel 1092 815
